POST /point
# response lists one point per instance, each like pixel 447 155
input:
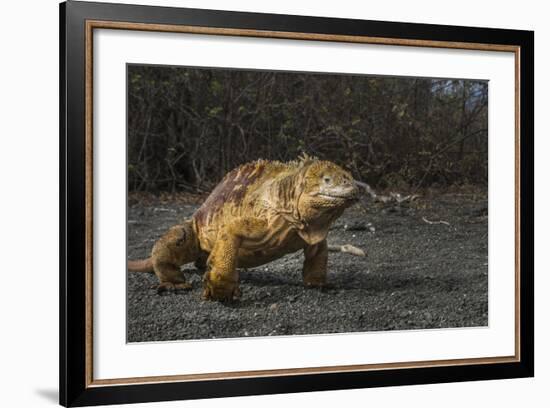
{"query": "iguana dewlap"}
pixel 259 212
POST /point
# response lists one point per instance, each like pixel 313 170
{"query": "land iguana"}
pixel 259 212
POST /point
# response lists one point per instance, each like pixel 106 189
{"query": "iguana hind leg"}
pixel 314 272
pixel 221 280
pixel 177 247
pixel 170 277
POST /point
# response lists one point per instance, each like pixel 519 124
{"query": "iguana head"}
pixel 326 191
pixel 326 186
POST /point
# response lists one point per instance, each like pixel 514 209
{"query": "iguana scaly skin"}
pixel 259 212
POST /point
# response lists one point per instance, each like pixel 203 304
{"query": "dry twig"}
pixel 385 199
pixel 435 222
pixel 349 249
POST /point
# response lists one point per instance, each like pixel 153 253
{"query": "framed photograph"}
pixel 256 203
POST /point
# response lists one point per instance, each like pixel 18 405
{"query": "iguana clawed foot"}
pixel 167 286
pixel 221 290
pixel 223 294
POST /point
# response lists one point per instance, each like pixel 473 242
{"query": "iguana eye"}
pixel 326 179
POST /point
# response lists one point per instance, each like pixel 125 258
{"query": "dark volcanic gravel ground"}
pixel 416 276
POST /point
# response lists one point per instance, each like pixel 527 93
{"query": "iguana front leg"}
pixel 314 272
pixel 221 280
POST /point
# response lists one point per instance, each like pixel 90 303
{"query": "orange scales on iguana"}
pixel 259 212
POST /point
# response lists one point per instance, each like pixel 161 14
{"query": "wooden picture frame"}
pixel 78 20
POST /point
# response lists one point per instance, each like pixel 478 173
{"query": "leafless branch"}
pixel 348 249
pixel 435 222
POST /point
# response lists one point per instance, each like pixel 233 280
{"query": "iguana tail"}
pixel 142 265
